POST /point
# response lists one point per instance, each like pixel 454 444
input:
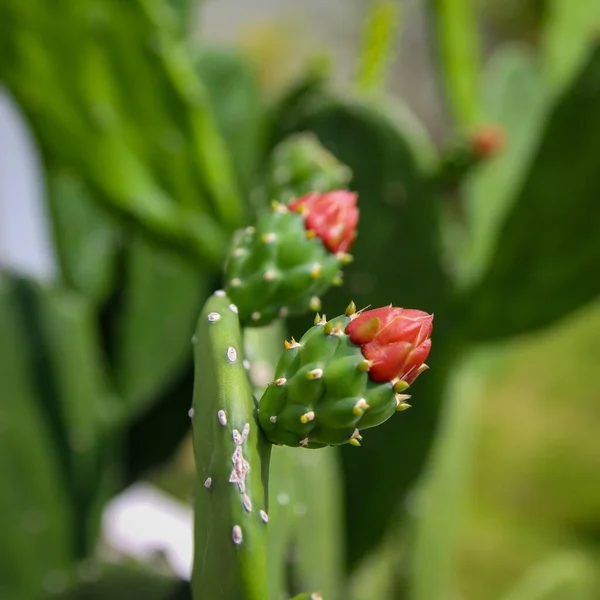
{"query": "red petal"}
pixel 388 360
pixel 362 330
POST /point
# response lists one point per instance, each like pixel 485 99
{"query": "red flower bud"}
pixel 333 216
pixel 488 141
pixel 395 340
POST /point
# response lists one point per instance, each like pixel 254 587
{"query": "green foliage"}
pixel 34 504
pixel 459 55
pixel 441 497
pixel 132 100
pixel 87 238
pixel 568 575
pixel 239 111
pixel 377 45
pixel 232 463
pixel 153 153
pixel 165 289
pixel 548 278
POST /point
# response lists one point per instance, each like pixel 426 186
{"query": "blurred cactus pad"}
pixel 167 172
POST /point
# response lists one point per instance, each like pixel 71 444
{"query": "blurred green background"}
pixel 155 124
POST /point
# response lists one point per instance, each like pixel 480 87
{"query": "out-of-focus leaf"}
pixel 125 582
pixel 569 30
pixel 36 549
pixel 567 576
pixel 548 249
pixel 458 47
pixel 162 296
pixel 87 238
pixel 235 98
pixel 514 98
pixel 441 498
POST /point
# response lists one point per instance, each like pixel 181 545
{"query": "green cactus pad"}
pixel 277 269
pixel 322 394
pixel 232 464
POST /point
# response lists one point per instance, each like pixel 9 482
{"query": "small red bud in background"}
pixel 488 141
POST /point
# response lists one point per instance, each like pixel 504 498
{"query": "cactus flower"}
pixel 345 375
pixel 395 340
pixel 291 257
pixel 332 216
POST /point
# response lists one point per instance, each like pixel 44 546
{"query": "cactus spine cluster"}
pixel 232 460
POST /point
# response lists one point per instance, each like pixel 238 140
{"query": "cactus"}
pixel 232 461
pixel 140 133
pixel 343 376
pixel 293 255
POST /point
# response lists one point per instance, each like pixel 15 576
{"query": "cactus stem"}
pixel 222 416
pixel 235 282
pixel 213 317
pixel 281 381
pixel 364 365
pixel 268 238
pixel 191 413
pixel 255 316
pixel 314 374
pixel 264 516
pixel 350 309
pixel 273 419
pixel 208 483
pixel 219 293
pixel 315 272
pixel 306 417
pixel 403 406
pixel 400 386
pixel 234 309
pixel 315 303
pixel 247 502
pixel 360 407
pixel 283 312
pixel 304 442
pixel 236 535
pixel 231 354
